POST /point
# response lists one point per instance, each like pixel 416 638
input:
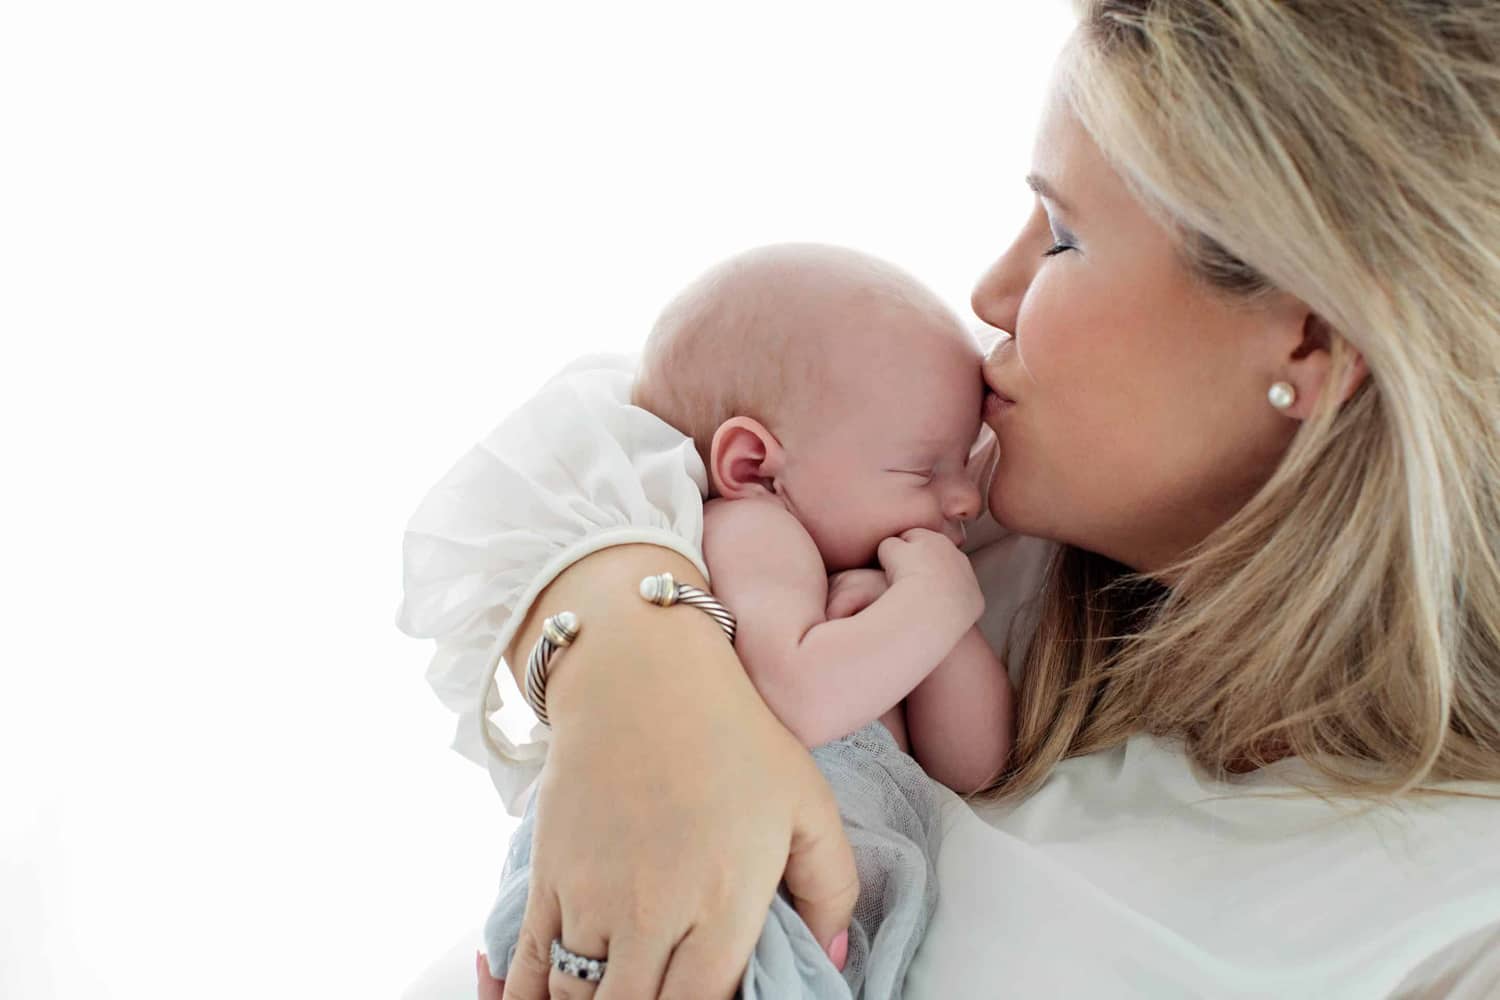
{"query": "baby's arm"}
pixel 959 719
pixel 825 679
pixel 957 722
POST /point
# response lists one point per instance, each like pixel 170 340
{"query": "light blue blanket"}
pixel 890 810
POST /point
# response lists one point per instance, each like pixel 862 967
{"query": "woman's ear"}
pixel 744 459
pixel 1320 355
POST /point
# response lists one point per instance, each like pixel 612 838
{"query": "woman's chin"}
pixel 1002 509
pixel 1010 509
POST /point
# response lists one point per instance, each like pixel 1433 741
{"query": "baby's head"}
pixel 829 379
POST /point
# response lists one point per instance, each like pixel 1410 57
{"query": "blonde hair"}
pixel 1347 153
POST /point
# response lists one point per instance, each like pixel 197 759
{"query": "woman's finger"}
pixel 703 966
pixel 490 988
pixel 526 979
pixel 636 966
pixel 580 940
pixel 820 873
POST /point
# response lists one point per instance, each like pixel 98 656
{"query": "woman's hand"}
pixel 671 805
pixel 490 988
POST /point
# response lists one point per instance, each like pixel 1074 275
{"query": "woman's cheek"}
pixel 1026 492
pixel 1005 499
pixel 991 500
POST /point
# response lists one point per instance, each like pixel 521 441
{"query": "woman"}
pixel 1250 398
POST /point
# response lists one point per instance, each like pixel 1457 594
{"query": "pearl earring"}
pixel 1282 395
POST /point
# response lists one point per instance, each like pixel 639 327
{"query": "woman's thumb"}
pixel 820 874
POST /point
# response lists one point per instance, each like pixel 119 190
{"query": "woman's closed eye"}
pixel 923 474
pixel 1061 240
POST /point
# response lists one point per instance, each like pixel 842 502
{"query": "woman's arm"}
pixel 672 801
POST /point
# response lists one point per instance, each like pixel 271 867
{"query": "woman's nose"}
pixel 997 297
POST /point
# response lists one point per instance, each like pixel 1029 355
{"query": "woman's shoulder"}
pixel 1210 888
pixel 570 470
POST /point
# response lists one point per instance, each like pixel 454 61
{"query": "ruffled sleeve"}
pixel 574 470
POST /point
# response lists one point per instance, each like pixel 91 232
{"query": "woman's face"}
pixel 1139 420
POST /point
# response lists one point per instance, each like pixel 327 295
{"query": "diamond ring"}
pixel 576 965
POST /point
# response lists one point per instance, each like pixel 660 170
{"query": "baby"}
pixel 835 401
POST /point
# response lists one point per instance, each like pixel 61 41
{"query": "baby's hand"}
pixel 938 565
pixel 853 590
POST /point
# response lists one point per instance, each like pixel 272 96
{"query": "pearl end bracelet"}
pixel 559 631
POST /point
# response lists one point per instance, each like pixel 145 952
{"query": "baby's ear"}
pixel 744 459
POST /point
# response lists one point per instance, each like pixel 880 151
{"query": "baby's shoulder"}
pixel 756 524
pixel 765 513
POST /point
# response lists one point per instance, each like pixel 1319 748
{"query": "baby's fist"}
pixel 853 590
pixel 937 564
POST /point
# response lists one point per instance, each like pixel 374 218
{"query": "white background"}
pixel 266 270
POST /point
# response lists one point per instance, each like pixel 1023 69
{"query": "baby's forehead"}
pixel 860 319
pixel 909 405
pixel 822 323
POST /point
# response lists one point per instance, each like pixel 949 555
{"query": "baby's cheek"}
pixel 844 546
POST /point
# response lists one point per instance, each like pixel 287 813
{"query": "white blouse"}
pixel 1127 874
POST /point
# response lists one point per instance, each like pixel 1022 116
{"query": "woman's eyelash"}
pixel 1056 249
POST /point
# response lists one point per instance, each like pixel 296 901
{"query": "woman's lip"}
pixel 995 403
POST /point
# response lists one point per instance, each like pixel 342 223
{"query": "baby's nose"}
pixel 962 501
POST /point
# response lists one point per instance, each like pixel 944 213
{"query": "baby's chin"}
pixel 840 565
pixel 837 559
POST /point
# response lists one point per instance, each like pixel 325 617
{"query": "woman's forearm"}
pixel 663 752
pixel 625 646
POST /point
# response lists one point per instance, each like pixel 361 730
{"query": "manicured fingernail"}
pixel 838 951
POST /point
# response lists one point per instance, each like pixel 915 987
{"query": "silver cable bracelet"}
pixel 561 629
